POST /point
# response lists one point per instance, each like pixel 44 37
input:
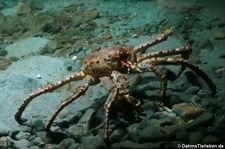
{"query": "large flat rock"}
pixel 26 46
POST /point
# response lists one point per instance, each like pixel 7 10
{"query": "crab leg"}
pixel 118 90
pixel 79 91
pixel 143 47
pixel 178 61
pixel 184 51
pixel 107 105
pixel 46 88
pixel 163 84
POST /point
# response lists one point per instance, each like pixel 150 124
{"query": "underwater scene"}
pixel 119 74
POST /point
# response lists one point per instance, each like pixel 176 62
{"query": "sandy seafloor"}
pixel 46 41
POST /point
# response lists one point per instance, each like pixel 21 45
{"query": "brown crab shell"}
pixel 103 62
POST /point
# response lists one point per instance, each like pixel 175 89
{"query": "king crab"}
pixel 113 63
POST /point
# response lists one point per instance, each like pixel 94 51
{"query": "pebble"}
pixel 117 135
pixel 187 111
pixel 206 44
pixel 37 142
pixel 182 136
pixel 3 132
pixel 4 63
pixel 210 139
pixel 14 59
pixel 171 100
pixel 106 36
pixel 21 144
pixel 52 146
pixel 191 112
pixel 171 131
pixel 219 36
pixel 192 90
pixel 90 15
pixel 205 118
pixel 3 52
pixel 22 135
pixel 5 142
pixel 149 134
pixel 89 142
pixel 67 143
pixel 132 145
pixel 195 137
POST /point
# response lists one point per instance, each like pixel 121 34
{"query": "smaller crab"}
pixel 114 63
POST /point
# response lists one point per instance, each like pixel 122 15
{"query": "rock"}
pixel 182 136
pixel 195 137
pixel 205 119
pixel 90 15
pixel 3 52
pixel 210 139
pixel 86 117
pixel 37 142
pixel 91 142
pixel 106 36
pixel 149 134
pixel 3 132
pixel 171 131
pixel 14 59
pixel 219 36
pixel 22 135
pixel 5 142
pixel 162 122
pixel 192 90
pixel 26 46
pixel 221 24
pixel 52 146
pixel 171 100
pixel 4 63
pixel 203 93
pixel 191 112
pixel 77 131
pixel 83 124
pixel 117 135
pixel 67 143
pixel 53 137
pixel 23 9
pixel 132 145
pixel 206 44
pixel 21 143
pixel 50 25
pixel 187 111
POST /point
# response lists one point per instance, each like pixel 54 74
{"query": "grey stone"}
pixel 22 135
pixel 171 131
pixel 149 134
pixel 26 46
pixel 171 100
pixel 192 90
pixel 67 143
pixel 37 142
pixel 205 118
pixel 52 146
pixel 3 133
pixel 91 142
pixel 132 145
pixel 206 44
pixel 23 143
pixel 182 136
pixel 210 139
pixel 117 135
pixel 5 142
pixel 195 137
